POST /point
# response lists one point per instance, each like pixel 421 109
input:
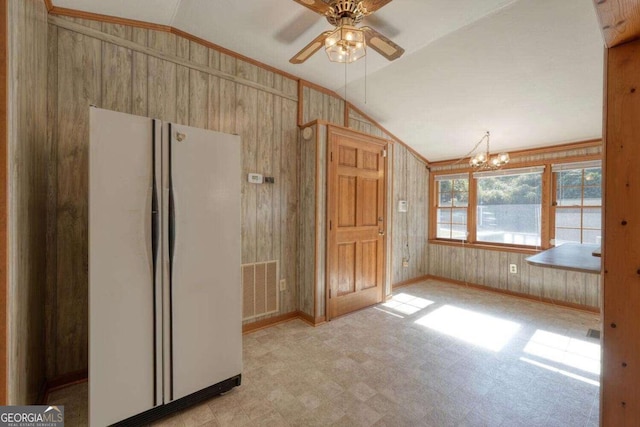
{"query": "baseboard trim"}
pixel 313 321
pixel 271 321
pixel 410 281
pixel 543 300
pixel 66 380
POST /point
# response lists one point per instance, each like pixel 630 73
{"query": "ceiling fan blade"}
pixel 310 49
pixel 381 44
pixel 318 6
pixel 373 5
pixel 297 26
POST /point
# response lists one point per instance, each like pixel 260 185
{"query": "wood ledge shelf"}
pixel 484 246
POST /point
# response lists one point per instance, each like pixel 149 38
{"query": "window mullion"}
pixel 472 209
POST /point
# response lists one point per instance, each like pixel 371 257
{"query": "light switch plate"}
pixel 403 206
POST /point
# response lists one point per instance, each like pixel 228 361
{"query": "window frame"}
pixel 581 166
pixel 436 192
pixel 547 232
pixel 514 171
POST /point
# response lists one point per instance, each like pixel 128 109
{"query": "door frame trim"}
pixel 332 132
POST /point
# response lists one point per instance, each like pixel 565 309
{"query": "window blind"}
pixel 509 172
pixel 451 177
pixel 577 165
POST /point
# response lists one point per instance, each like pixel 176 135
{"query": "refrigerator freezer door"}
pixel 124 372
pixel 204 264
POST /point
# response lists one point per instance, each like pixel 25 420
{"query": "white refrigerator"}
pixel 165 321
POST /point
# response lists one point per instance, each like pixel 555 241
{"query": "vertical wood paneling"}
pixel 79 85
pixel 536 280
pixel 198 98
pixel 409 229
pixel 317 105
pixel 264 193
pixel 307 226
pixel 289 201
pixel 246 120
pixel 267 124
pixel 139 73
pixel 117 62
pixel 227 107
pixel 52 199
pixel 276 215
pixel 491 268
pixel 183 78
pixel 213 94
pixel 27 157
pixel 162 76
pixel 4 201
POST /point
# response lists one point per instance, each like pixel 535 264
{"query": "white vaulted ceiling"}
pixel 530 71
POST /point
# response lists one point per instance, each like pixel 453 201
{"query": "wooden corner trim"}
pixel 48 5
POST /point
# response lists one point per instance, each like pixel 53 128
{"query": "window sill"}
pixel 487 246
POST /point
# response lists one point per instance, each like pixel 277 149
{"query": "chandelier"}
pixel 345 44
pixel 484 160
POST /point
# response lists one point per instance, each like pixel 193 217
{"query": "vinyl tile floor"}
pixel 435 355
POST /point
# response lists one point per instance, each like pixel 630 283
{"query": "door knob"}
pixel 381 232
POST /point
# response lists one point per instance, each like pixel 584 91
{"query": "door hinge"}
pixel 384 153
pixel 331 156
pixel 329 293
pixel 330 225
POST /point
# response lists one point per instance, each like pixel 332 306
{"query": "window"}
pixel 451 206
pixel 578 202
pixel 509 207
pixel 528 207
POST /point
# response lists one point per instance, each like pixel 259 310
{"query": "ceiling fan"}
pixel 347 42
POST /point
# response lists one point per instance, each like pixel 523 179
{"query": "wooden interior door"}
pixel 355 214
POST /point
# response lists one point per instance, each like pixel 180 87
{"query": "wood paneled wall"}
pixel 27 160
pixel 313 231
pixel 490 268
pixel 409 229
pixel 317 104
pixel 360 123
pixel 161 75
pixel 621 251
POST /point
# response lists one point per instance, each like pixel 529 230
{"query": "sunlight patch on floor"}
pixel 476 328
pixel 407 304
pixel 561 371
pixel 572 352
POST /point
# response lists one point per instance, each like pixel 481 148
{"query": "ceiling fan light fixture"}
pixel 345 44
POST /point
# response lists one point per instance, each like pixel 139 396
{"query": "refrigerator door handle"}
pixel 172 211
